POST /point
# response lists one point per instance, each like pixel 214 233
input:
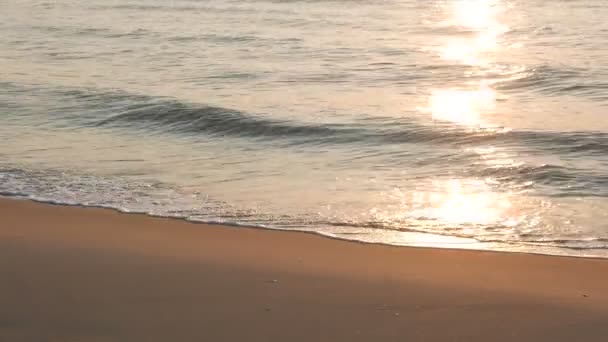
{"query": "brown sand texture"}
pixel 75 274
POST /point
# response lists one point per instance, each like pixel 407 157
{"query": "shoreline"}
pixel 95 274
pixel 476 246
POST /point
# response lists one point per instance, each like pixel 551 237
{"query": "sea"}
pixel 475 124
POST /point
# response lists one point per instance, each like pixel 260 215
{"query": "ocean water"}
pixel 478 124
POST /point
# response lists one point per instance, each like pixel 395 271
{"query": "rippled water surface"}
pixel 457 123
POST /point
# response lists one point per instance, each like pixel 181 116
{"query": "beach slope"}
pixel 87 274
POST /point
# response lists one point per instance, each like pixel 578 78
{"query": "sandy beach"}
pixel 87 274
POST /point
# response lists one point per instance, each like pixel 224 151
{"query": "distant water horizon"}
pixel 476 124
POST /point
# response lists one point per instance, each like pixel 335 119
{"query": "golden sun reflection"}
pixel 479 16
pixel 471 202
pixel 475 14
pixel 462 106
pixel 470 51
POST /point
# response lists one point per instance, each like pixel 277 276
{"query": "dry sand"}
pixel 83 274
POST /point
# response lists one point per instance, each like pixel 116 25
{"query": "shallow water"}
pixel 467 124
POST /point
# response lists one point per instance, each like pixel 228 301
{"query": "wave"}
pixel 572 242
pixel 182 118
pixel 178 117
pixel 191 8
pixel 186 118
pixel 170 116
pixel 141 33
pixel 160 199
pixel 555 81
pixel 554 180
pixel 147 114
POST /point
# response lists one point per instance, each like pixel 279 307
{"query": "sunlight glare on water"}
pixel 468 201
pixel 463 202
pixel 480 17
pixel 475 14
pixel 464 107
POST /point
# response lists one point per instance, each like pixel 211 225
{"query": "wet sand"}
pixel 87 274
